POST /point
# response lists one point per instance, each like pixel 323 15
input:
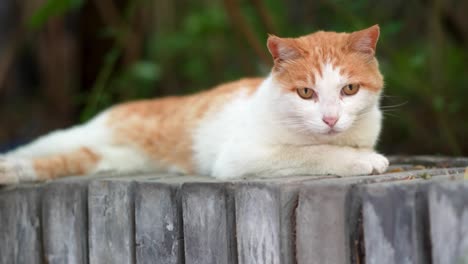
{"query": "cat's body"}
pixel 304 118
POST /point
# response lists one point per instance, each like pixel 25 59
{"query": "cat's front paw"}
pixel 368 163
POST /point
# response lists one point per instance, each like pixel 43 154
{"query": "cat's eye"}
pixel 350 89
pixel 305 93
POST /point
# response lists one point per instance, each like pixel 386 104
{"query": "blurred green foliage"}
pixel 53 8
pixel 422 57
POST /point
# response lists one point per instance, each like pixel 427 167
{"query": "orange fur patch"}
pixel 78 162
pixel 163 128
pixel 305 56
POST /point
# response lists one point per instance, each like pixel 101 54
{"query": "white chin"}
pixel 333 131
pixel 325 132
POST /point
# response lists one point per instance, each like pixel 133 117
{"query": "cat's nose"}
pixel 330 120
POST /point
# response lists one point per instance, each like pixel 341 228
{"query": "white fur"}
pixel 275 132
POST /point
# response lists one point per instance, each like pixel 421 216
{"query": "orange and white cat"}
pixel 316 113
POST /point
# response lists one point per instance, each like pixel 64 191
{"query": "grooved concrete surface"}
pixel 415 213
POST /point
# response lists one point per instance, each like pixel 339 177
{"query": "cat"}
pixel 316 113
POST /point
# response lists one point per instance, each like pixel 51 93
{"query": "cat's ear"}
pixel 365 40
pixel 282 48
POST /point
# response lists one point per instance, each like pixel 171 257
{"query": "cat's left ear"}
pixel 282 48
pixel 365 41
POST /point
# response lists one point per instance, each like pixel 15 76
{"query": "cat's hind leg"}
pixel 92 133
pixel 78 162
pixel 80 150
pixel 67 151
pixel 15 170
pixel 83 160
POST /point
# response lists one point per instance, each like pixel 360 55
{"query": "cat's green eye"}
pixel 350 89
pixel 305 93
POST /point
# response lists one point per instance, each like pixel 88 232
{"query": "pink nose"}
pixel 330 120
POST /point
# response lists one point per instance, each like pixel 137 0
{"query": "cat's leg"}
pixel 60 141
pixel 298 160
pixel 79 150
pixel 27 163
pixel 78 162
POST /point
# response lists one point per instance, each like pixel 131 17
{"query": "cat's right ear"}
pixel 282 49
pixel 365 41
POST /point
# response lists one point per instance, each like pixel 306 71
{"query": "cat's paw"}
pixel 14 171
pixel 368 163
pixel 6 174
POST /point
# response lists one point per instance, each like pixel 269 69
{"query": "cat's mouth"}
pixel 332 132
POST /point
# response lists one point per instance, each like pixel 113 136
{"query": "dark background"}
pixel 62 61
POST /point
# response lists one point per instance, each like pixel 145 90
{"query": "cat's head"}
pixel 327 80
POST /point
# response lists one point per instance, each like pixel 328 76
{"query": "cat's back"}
pixel 164 128
pixel 187 106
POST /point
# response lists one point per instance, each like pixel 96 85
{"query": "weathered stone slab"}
pixel 158 208
pixel 65 223
pixel 287 189
pixel 396 223
pixel 328 217
pixel 448 211
pixel 431 161
pixel 426 174
pixel 111 222
pixel 323 223
pixel 158 223
pixel 257 223
pixel 20 226
pixel 288 201
pixel 292 219
pixel 207 234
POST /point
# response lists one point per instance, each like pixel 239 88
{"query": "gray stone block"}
pixel 431 161
pixel 111 222
pixel 258 223
pixel 324 223
pixel 20 226
pixel 65 223
pixel 287 189
pixel 161 218
pixel 207 234
pixel 396 223
pixel 448 211
pixel 158 223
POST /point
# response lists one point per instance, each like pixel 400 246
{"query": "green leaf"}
pixel 52 8
pixel 146 71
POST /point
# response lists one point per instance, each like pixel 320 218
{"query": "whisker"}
pixel 388 114
pixel 393 106
pixel 390 96
pixel 390 110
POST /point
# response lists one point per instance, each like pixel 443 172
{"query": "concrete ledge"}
pixel 448 212
pixel 416 213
